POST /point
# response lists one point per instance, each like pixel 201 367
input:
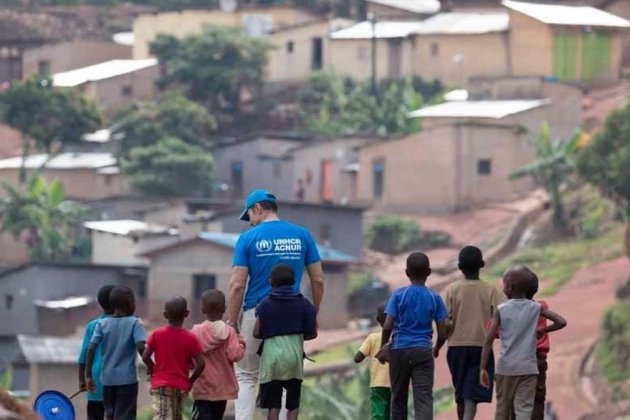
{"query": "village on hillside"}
pixel 131 134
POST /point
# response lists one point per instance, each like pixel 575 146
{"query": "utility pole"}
pixel 372 20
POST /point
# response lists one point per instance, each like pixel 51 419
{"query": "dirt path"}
pixel 582 301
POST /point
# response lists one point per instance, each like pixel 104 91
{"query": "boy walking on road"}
pixel 471 303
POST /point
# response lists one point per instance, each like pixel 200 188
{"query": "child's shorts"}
pixel 271 394
pixel 463 362
pixel 168 403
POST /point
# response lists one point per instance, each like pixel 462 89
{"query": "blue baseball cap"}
pixel 255 197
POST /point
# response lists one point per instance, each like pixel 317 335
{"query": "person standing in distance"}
pixel 271 241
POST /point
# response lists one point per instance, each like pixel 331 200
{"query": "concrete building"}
pixel 86 176
pixel 462 158
pixel 571 43
pixel 119 242
pixel 192 266
pixel 114 84
pixel 256 21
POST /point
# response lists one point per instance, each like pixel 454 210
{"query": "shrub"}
pixel 613 353
pixel 392 234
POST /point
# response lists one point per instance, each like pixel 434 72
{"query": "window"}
pixel 236 178
pixel 43 67
pixel 362 53
pixel 435 49
pixel 8 301
pixel 290 47
pixel 127 91
pixel 317 60
pixel 203 282
pixel 378 173
pixel 484 167
pixel 325 234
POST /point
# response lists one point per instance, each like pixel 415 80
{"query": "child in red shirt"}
pixel 175 349
pixel 542 349
pixel 222 347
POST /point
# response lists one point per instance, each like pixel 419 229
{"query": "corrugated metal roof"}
pixel 124 38
pixel 101 71
pixel 413 6
pixel 383 29
pixel 49 349
pixel 478 109
pixel 61 161
pixel 465 23
pixel 116 227
pixel 552 14
pixel 326 253
pixel 67 303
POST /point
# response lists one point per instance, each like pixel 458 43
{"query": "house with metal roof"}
pixel 113 84
pixel 86 176
pixel 190 267
pixel 570 43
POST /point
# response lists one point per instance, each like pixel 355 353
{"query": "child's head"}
pixel 213 304
pixel 517 282
pixel 282 275
pixel 533 286
pixel 418 266
pixel 176 310
pixel 103 298
pixel 470 261
pixel 380 313
pixel 122 300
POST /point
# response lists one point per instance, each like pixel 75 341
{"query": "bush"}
pixel 394 235
pixel 613 352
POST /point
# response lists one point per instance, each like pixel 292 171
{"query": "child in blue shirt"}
pixel 95 410
pixel 121 335
pixel 411 311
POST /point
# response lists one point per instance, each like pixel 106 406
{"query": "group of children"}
pixel 199 361
pixel 471 314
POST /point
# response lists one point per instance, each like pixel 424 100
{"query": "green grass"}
pixel 556 263
pixel 613 349
pixel 337 353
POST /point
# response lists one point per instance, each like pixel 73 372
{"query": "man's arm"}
pixel 484 379
pixel 359 357
pixel 238 282
pixel 82 385
pixel 316 274
pixel 558 322
pixel 200 365
pixel 388 327
pixel 442 334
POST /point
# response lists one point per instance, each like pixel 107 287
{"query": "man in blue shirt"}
pixel 411 311
pixel 95 410
pixel 271 241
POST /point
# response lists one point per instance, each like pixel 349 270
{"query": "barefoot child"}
pixel 516 370
pixel 380 392
pixel 471 303
pixel 175 349
pixel 122 334
pixel 222 347
pixel 95 409
pixel 411 312
pixel 285 319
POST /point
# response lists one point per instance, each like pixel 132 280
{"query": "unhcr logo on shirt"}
pixel 283 245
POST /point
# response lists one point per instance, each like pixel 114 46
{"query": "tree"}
pixel 605 162
pixel 173 116
pixel 555 162
pixel 214 65
pixel 170 168
pixel 43 214
pixel 48 117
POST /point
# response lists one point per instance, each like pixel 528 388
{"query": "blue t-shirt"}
pixel 97 365
pixel 270 243
pixel 119 336
pixel 414 309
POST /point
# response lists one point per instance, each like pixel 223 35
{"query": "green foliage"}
pixel 613 349
pixel 556 263
pixel 6 379
pixel 213 66
pixel 169 168
pixel 394 234
pixel 553 167
pixel 173 116
pixel 48 116
pixel 44 215
pixel 336 106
